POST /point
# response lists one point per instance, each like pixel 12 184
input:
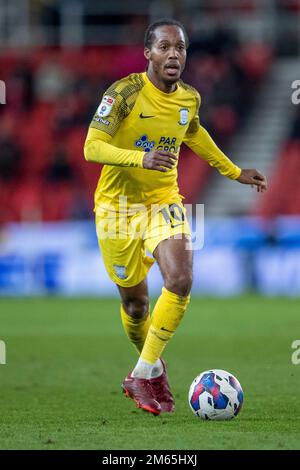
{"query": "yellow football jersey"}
pixel 135 117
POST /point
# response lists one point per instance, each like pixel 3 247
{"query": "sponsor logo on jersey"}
pixel 120 271
pixel 184 116
pixel 105 106
pixel 167 143
pixel 144 143
pixel 142 116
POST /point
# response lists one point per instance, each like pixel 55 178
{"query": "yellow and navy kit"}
pixel 135 117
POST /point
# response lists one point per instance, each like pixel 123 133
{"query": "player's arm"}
pixel 199 140
pixel 106 122
pixel 98 149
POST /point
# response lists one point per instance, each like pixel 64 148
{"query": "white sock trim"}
pixel 143 369
pixel 157 369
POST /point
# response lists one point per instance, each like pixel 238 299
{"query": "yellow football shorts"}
pixel 125 238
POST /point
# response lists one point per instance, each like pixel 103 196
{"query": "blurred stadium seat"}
pixel 67 87
pixel 283 196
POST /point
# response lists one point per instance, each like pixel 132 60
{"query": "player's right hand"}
pixel 159 160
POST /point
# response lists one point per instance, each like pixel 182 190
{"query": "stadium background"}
pixel 56 59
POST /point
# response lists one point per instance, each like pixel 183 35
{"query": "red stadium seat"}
pixel 192 175
pixel 283 195
pixel 59 123
pixel 57 201
pixel 255 60
pixel 26 201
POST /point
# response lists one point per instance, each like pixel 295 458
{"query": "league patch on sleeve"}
pixel 102 121
pixel 105 106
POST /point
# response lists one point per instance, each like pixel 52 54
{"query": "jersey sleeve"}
pixel 195 123
pixel 111 111
pixel 97 149
pixel 199 140
pixel 116 104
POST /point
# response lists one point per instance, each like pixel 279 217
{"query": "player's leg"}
pixel 136 321
pixel 127 264
pixel 175 262
pixel 175 259
pixel 135 313
pixel 135 317
pixel 168 239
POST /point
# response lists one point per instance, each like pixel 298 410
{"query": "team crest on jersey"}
pixel 184 116
pixel 120 271
pixel 144 143
pixel 105 106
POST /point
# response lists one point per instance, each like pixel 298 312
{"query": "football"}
pixel 216 395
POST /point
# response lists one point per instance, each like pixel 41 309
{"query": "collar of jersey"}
pixel 157 90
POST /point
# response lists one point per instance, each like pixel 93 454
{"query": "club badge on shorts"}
pixel 184 116
pixel 105 106
pixel 120 271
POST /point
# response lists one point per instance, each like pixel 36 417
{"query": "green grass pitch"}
pixel 66 359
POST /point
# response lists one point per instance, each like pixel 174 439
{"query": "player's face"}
pixel 167 55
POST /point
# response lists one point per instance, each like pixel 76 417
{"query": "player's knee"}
pixel 180 284
pixel 137 308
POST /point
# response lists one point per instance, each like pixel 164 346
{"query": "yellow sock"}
pixel 135 328
pixel 166 316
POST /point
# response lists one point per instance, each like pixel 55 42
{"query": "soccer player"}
pixel 136 133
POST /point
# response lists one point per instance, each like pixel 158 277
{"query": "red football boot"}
pixel 162 392
pixel 141 392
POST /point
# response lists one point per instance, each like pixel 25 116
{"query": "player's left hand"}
pixel 255 178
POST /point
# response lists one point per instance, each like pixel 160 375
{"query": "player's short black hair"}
pixel 150 31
